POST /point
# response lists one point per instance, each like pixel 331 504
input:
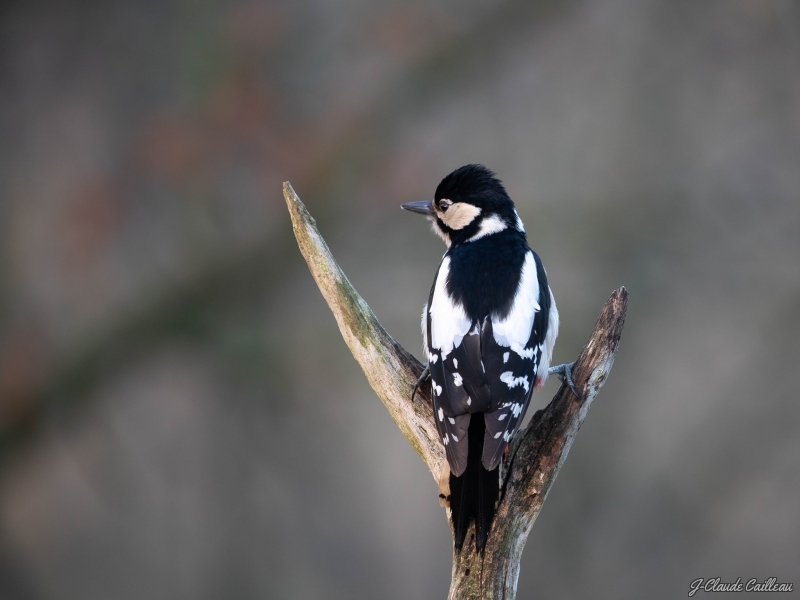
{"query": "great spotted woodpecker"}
pixel 490 325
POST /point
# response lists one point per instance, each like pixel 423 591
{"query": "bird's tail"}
pixel 474 493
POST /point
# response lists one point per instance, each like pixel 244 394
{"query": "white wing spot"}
pixel 434 358
pixel 469 400
pixel 457 379
pixel 455 439
pixel 507 435
pixel 452 420
pixel 441 415
pixel 512 382
pixel 516 409
pixel 445 439
pixel 502 417
pixel 455 363
pixel 437 389
pixel 505 357
pixel 498 434
pixel 525 353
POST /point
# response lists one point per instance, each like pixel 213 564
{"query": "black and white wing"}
pixel 516 351
pixel 446 325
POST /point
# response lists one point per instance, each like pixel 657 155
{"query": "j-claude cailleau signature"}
pixel 715 584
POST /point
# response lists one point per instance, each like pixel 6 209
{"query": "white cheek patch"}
pixel 493 224
pixel 459 215
pixel 438 231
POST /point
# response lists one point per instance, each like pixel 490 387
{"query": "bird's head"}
pixel 469 203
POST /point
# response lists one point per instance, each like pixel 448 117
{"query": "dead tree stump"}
pixel 535 453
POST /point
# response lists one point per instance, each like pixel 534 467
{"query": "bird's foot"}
pixel 564 373
pixel 426 374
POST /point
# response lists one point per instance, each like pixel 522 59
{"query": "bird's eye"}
pixel 444 205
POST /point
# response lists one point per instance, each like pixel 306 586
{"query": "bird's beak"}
pixel 423 207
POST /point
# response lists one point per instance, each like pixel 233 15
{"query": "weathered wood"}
pixel 390 369
pixel 535 454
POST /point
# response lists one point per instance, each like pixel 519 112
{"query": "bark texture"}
pixel 535 454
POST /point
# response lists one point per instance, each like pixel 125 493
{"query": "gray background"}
pixel 179 417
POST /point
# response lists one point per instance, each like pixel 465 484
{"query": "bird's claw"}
pixel 564 373
pixel 426 374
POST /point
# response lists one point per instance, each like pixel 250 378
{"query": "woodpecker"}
pixel 489 327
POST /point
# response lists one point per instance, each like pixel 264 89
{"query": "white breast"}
pixel 549 340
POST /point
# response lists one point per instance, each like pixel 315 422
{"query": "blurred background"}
pixel 179 417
